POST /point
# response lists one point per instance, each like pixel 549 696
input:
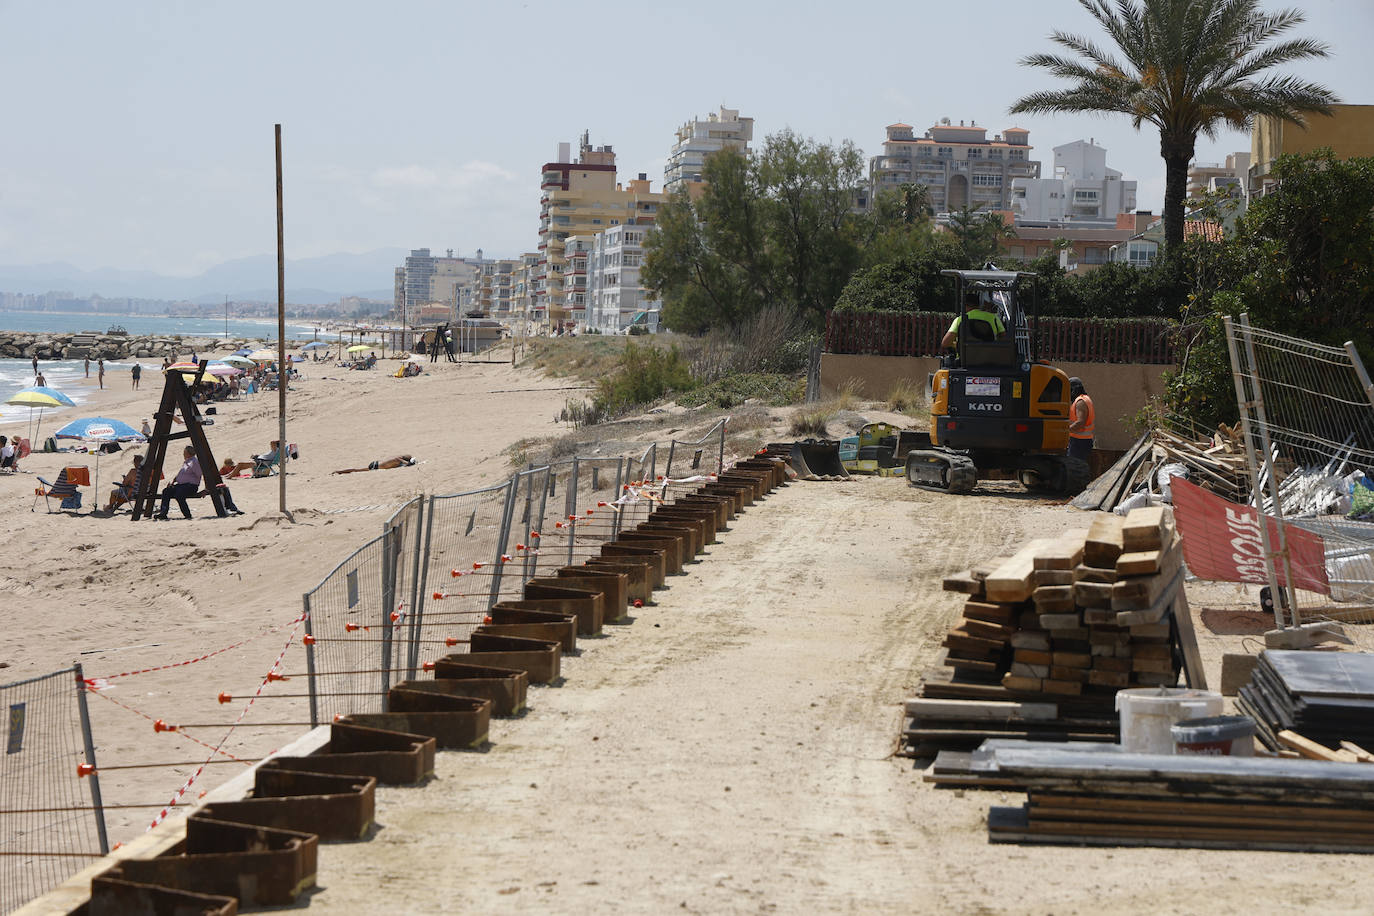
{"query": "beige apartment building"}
pixel 957 163
pixel 1348 131
pixel 581 198
pixel 696 140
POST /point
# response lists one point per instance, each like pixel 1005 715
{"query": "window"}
pixel 946 151
pixel 1085 197
pixel 1141 254
pixel 987 179
pixel 994 154
pixel 1016 154
pixel 975 153
pixel 923 151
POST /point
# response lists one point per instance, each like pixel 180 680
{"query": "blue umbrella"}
pixel 101 428
pixel 315 345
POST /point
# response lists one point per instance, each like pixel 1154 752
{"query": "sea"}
pixel 69 376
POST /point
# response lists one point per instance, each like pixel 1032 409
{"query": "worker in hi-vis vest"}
pixel 1081 418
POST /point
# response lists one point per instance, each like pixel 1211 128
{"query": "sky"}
pixel 139 135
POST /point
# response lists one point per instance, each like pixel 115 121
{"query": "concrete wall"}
pixel 1118 390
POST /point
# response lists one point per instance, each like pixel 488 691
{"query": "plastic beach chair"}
pixel 64 488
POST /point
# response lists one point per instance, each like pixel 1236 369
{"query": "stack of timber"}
pixel 1216 463
pixel 1050 634
pixel 1100 796
pixel 1317 704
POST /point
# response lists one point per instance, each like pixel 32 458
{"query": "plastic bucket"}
pixel 1147 714
pixel 1215 736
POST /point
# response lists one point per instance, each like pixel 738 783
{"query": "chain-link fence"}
pixel 525 533
pixel 689 461
pixel 350 646
pixel 593 515
pixel 461 568
pixel 52 820
pixel 635 499
pixel 403 578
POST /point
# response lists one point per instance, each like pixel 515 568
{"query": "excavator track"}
pixel 1057 474
pixel 941 471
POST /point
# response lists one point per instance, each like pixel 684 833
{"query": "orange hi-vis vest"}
pixel 1087 431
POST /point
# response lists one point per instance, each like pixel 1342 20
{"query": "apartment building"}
pixel 582 198
pixel 1083 192
pixel 696 140
pixel 615 299
pixel 1348 131
pixel 959 166
pixel 427 281
pixel 493 289
pixel 1206 177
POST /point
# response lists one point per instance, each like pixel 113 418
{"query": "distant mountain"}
pixel 308 280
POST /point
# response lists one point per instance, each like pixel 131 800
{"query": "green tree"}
pixel 908 282
pixel 978 233
pixel 775 229
pixel 1188 67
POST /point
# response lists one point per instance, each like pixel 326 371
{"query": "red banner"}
pixel 1221 541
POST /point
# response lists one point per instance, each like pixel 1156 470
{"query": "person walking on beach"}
pixel 35 364
pixel 136 373
pixel 40 380
pixel 100 370
pixel 88 366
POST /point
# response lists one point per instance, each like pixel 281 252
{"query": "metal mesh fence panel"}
pixel 51 819
pixel 594 518
pixel 348 620
pixel 556 540
pixel 637 488
pixel 1307 414
pixel 461 569
pixel 529 495
pixel 700 456
pixel 403 577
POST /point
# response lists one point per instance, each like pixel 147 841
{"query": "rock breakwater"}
pixel 26 345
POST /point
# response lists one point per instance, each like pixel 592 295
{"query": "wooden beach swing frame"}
pixel 176 396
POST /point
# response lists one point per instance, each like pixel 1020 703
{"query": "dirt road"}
pixel 731 751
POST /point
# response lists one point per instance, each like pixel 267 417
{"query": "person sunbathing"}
pixel 230 468
pixel 400 461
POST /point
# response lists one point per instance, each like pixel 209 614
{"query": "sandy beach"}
pixel 730 750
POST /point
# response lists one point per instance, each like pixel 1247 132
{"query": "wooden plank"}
pixel 1032 656
pixel 1052 577
pixel 1096 595
pixel 987 630
pixel 1023 669
pixel 1101 678
pixel 1104 542
pixel 1053 598
pixel 1031 639
pixel 1059 622
pixel 1084 573
pixel 1140 563
pixel 1361 755
pixel 1063 553
pixel 964 583
pixel 1140 592
pixel 1186 636
pixel 1158 609
pixel 1309 749
pixel 1011 581
pixel 989 611
pixel 1023 684
pixel 1147 528
pixel 1072 659
pixel 980 709
pixel 1067 688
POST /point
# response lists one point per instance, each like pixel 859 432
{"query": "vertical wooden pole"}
pixel 282 369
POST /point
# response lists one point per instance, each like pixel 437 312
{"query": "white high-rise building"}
pixel 615 299
pixel 698 139
pixel 1083 192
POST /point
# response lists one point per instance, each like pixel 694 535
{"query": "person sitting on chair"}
pixel 984 324
pixel 186 483
pixel 125 489
pixel 400 461
pixel 231 468
pixel 9 453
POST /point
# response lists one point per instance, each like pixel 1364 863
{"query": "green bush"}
pixel 774 389
pixel 646 374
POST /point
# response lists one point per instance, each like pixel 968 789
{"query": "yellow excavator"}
pixel 994 404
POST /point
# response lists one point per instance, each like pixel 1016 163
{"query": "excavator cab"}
pixel 994 405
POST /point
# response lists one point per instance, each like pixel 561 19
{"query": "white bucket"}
pixel 1148 714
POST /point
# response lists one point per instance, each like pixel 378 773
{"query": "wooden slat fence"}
pixel 1086 340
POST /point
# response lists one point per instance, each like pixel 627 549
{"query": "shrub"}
pixel 907 397
pixel 732 390
pixel 646 374
pixel 811 422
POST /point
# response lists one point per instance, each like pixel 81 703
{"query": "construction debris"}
pixel 1049 634
pixel 1141 476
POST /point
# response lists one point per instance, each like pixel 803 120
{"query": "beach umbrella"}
pixel 243 351
pixel 315 345
pixel 358 348
pixel 263 356
pixel 184 366
pixel 222 371
pixel 99 429
pixel 239 362
pixel 41 397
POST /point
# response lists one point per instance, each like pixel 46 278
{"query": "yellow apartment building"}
pixel 1349 131
pixel 581 198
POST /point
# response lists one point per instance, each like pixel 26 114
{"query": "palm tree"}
pixel 1189 67
pixel 915 200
